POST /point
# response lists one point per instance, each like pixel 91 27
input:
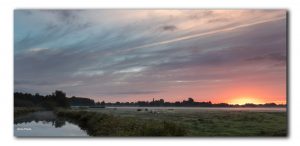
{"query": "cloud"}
pixel 130 93
pixel 106 52
pixel 271 57
pixel 131 70
pixel 169 27
pixel 34 83
pixel 89 73
pixel 36 50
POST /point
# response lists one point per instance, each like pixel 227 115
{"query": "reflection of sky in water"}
pixel 42 128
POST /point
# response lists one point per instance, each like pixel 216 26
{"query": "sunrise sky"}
pixel 233 56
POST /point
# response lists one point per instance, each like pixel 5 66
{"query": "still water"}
pixel 46 124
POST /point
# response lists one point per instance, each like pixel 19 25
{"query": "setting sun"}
pixel 244 100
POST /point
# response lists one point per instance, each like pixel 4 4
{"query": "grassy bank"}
pixel 99 124
pixel 18 111
pixel 210 122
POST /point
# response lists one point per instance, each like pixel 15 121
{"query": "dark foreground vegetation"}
pixel 24 110
pixel 218 123
pixel 99 124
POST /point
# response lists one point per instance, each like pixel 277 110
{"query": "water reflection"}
pixel 45 124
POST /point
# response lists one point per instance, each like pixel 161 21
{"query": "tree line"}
pixel 56 99
pixel 59 99
pixel 187 103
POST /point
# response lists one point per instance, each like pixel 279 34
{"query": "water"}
pixel 45 124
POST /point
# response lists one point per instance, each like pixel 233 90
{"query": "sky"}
pixel 232 56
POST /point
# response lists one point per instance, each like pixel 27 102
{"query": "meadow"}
pixel 178 122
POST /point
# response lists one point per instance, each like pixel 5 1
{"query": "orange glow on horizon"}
pixel 231 93
pixel 245 100
pixel 240 100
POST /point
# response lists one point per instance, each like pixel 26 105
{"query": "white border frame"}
pixel 6 69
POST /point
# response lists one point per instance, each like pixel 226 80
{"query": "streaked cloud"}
pixel 138 54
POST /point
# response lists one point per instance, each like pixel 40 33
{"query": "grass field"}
pixel 174 122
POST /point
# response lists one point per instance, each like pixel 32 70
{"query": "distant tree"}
pixel 270 104
pixel 177 103
pixel 60 99
pixel 161 100
pixel 221 105
pixel 59 94
pixel 249 105
pixel 81 101
pixel 190 100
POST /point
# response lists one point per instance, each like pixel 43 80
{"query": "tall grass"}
pixel 18 111
pixel 99 124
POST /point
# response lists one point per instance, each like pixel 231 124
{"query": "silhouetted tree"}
pixel 60 99
pixel 80 101
pixel 190 100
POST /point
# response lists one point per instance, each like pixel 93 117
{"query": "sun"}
pixel 244 100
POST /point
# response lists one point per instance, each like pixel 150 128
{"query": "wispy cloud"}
pixel 139 53
pixel 194 36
